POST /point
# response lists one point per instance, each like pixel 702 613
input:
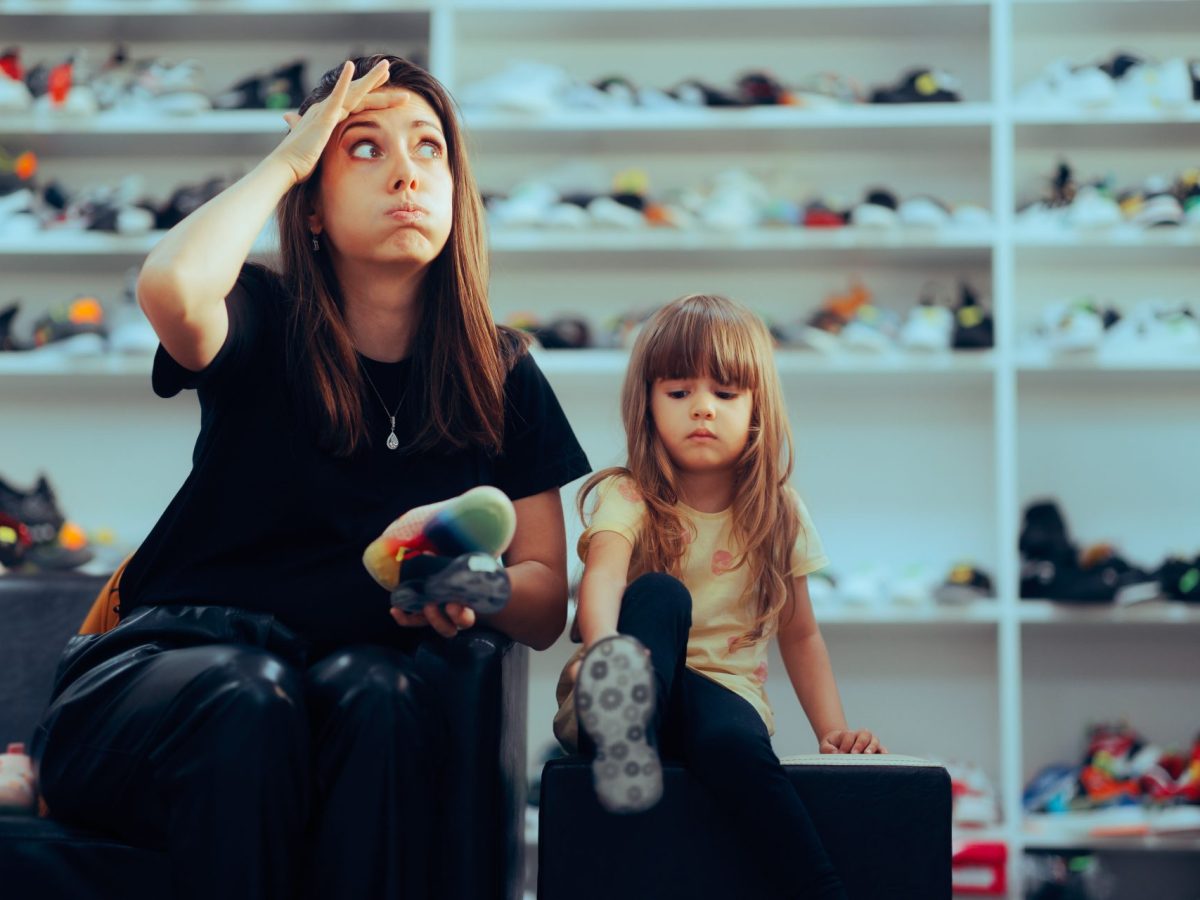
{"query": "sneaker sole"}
pixel 614 699
pixel 477 581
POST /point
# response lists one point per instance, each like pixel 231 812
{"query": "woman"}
pixel 256 712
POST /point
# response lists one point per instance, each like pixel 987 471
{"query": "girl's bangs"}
pixel 702 339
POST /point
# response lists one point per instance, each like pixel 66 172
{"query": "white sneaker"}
pixel 928 328
pixel 1092 209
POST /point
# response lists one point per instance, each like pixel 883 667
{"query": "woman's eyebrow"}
pixel 371 123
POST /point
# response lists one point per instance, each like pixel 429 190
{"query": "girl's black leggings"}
pixel 723 741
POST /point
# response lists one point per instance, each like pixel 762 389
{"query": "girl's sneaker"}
pixel 614 699
pixel 475 580
pixel 481 520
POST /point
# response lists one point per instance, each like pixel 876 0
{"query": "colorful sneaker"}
pixel 614 699
pixel 480 520
pixel 475 580
pixel 922 85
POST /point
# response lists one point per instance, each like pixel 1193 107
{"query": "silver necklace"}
pixel 392 441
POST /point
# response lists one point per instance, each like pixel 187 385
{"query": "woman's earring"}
pixel 316 244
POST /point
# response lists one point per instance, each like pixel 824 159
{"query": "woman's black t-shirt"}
pixel 267 521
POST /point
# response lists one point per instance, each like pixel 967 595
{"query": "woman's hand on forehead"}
pixel 308 134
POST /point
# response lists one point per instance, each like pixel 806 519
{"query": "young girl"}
pixel 259 711
pixel 697 552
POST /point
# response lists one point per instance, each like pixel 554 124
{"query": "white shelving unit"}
pixel 901 458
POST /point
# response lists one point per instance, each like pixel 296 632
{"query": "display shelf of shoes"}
pixel 613 363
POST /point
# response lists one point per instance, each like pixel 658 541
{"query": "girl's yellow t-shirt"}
pixel 719 614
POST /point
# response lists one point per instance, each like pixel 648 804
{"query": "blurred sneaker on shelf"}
pixel 14 94
pixel 927 328
pixel 972 323
pixel 66 91
pixel 878 209
pixel 1153 329
pixel 1159 207
pixel 924 212
pixel 696 93
pixel 1180 578
pixel 872 329
pixel 1093 208
pixel 864 588
pixel 827 90
pixel 964 584
pixel 1065 85
pixel 55 543
pixel 920 85
pixel 526 87
pixel 15 542
pixel 974 797
pixel 168 87
pixel 762 88
pixel 913 587
pixel 73 329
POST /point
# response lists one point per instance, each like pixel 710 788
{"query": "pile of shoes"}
pixel 1099 206
pixel 1054 568
pixel 1124 80
pixel 124 85
pixel 538 88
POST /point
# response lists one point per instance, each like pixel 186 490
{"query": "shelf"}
pixel 530 241
pixel 1164 612
pixel 612 363
pixel 946 243
pixel 119 123
pixel 1064 115
pixel 562 363
pixel 48 364
pixel 1099 362
pixel 767 118
pixel 1175 829
pixel 626 5
pixel 983 612
pixel 207 8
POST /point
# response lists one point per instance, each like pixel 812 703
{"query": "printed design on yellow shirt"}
pixel 629 490
pixel 722 562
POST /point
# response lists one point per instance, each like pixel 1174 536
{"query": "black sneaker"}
pixel 1180 579
pixel 284 88
pixel 1049 560
pixel 37 510
pixel 972 323
pixel 476 580
pixel 925 85
pixel 614 700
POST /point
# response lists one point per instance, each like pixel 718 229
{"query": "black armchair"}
pixel 484 674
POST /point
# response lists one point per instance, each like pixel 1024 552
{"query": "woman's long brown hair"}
pixel 707 335
pixel 462 357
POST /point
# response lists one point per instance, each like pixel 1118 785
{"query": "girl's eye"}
pixel 365 150
pixel 727 395
pixel 677 395
pixel 429 149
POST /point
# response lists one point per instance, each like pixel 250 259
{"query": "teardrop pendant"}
pixel 393 442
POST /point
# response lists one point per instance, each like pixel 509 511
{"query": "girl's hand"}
pixel 308 135
pixel 573 674
pixel 446 621
pixel 850 741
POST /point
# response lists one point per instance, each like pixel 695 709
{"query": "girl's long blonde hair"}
pixel 700 335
